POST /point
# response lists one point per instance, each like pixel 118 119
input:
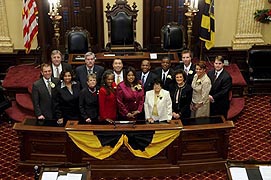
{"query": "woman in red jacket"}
pixel 107 97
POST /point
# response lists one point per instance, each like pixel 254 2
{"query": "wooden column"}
pixel 6 45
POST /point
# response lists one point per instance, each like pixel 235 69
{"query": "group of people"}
pixel 93 94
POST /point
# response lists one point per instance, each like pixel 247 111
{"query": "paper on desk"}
pixel 238 173
pixel 265 172
pixel 109 54
pixel 72 176
pixel 49 175
pixel 153 56
pixel 62 177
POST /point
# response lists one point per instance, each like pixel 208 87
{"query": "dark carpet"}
pixel 249 140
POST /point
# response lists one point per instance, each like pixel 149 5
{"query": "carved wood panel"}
pixel 159 13
pixel 84 13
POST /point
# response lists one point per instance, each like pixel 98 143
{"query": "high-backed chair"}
pixel 77 41
pixel 121 20
pixel 173 37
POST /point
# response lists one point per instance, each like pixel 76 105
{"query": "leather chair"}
pixel 173 37
pixel 121 20
pixel 77 41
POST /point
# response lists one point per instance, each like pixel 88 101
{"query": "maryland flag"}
pixel 207 29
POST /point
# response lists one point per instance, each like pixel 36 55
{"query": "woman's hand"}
pixel 88 120
pixel 150 120
pixel 130 115
pixel 41 117
pixel 109 120
pixel 176 115
pixel 60 121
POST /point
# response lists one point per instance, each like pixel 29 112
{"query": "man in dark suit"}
pixel 187 65
pixel 221 87
pixel 88 68
pixel 165 73
pixel 57 64
pixel 147 77
pixel 43 94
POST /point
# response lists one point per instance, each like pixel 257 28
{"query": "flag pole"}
pixel 201 50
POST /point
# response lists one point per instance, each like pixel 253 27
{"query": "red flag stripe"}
pixel 30 24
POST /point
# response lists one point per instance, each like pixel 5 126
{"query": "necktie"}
pixel 89 71
pixel 49 87
pixel 118 79
pixel 143 80
pixel 57 72
pixel 216 75
pixel 186 71
pixel 164 78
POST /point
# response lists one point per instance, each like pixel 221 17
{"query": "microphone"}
pixel 168 31
pixel 124 39
pixel 36 171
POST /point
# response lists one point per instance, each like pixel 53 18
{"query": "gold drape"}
pixel 89 143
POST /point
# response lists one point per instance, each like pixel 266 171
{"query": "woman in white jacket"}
pixel 158 105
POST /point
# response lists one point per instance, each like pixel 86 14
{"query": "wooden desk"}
pixel 41 143
pixel 129 59
pixel 123 163
pixel 202 144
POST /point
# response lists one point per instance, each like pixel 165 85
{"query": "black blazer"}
pixel 88 104
pixel 148 85
pixel 67 104
pixel 81 74
pixel 169 79
pixel 184 100
pixel 43 103
pixel 191 72
pixel 220 92
pixel 65 66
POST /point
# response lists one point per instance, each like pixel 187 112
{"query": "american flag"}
pixel 30 23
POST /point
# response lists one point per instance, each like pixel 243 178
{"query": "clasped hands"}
pixel 132 115
pixel 195 106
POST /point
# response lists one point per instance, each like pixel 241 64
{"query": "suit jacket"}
pixel 67 105
pixel 107 104
pixel 164 105
pixel 184 100
pixel 129 100
pixel 43 102
pixel 88 104
pixel 65 66
pixel 169 79
pixel 148 85
pixel 81 74
pixel 191 72
pixel 201 89
pixel 220 92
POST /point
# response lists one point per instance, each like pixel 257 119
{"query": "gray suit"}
pixel 42 100
pixel 81 74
